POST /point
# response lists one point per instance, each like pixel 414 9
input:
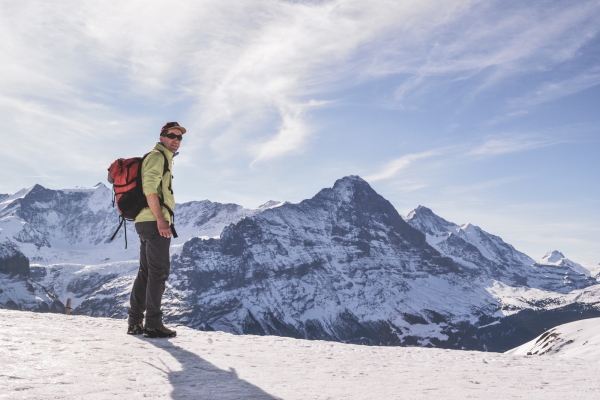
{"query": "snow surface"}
pixel 579 339
pixel 57 356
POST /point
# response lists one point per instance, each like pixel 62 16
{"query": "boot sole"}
pixel 154 335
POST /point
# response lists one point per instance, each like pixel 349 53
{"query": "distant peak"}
pixel 421 211
pixel 99 185
pixel 553 256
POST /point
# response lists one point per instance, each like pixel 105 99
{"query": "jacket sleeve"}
pixel 152 171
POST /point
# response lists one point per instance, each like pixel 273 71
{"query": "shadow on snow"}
pixel 199 379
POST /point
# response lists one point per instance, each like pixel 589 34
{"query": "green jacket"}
pixel 153 181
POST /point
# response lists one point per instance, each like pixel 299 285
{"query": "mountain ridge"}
pixel 342 265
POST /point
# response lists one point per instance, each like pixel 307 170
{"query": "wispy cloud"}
pixel 390 169
pixel 247 75
pixel 244 71
pixel 505 145
pixel 475 189
pixel 500 43
pixel 550 91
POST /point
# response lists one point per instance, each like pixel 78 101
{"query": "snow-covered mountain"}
pixel 343 266
pixel 73 225
pixel 489 257
pixel 64 233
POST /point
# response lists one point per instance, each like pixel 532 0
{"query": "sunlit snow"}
pixel 56 356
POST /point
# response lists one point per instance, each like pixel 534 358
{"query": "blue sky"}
pixel 484 111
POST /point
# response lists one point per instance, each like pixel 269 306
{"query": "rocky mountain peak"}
pixel 350 189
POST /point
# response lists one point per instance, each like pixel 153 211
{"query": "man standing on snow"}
pixel 154 225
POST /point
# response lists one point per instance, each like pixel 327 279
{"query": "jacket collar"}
pixel 161 147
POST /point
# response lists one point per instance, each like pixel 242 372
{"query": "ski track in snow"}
pixel 53 356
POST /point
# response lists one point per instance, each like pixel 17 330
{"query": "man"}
pixel 154 225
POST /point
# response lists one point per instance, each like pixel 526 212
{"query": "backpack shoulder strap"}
pixel 165 169
pixel 166 164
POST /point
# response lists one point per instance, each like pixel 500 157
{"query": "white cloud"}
pixel 390 169
pixel 243 72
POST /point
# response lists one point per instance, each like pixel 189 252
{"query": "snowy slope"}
pixel 53 356
pixel 579 339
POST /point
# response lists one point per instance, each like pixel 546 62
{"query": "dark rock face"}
pixel 18 290
pixel 334 267
pixel 12 261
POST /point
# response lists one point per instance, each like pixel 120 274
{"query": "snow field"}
pixel 54 356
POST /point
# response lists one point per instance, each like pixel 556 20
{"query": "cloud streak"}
pixel 551 91
pixel 506 145
pixel 392 168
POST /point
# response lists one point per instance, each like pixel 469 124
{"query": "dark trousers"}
pixel 149 285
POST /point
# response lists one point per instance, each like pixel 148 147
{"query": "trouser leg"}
pixel 149 284
pixel 158 269
pixel 137 300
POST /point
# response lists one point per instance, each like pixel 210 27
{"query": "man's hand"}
pixel 163 226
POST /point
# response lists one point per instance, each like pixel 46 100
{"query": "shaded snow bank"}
pixel 56 356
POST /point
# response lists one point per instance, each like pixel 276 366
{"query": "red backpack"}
pixel 125 174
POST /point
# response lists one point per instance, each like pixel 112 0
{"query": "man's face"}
pixel 172 144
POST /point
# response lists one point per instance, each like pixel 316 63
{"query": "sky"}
pixel 484 111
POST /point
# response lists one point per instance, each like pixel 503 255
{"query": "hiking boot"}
pixel 160 332
pixel 136 329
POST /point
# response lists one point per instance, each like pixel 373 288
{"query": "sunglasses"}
pixel 173 136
